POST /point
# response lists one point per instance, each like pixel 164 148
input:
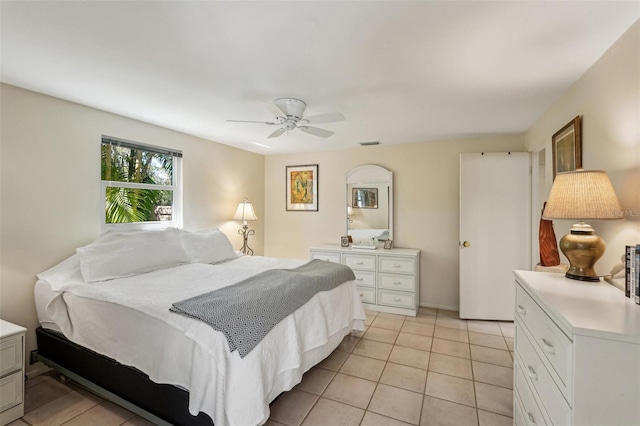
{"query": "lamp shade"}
pixel 583 195
pixel 245 211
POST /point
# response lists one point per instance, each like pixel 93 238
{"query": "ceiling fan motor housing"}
pixel 291 107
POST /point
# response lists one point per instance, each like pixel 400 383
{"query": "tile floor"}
pixel 434 369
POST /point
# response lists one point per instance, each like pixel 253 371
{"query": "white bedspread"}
pixel 231 390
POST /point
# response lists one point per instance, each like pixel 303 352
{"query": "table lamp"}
pixel 582 195
pixel 245 212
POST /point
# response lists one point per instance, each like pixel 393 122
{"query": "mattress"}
pixel 189 354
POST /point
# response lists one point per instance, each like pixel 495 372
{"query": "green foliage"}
pixel 121 164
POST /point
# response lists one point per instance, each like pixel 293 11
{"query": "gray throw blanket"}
pixel 245 312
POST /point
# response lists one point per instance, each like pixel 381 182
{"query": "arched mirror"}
pixel 369 204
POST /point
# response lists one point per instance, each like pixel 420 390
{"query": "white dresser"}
pixel 388 280
pixel 11 372
pixel 577 353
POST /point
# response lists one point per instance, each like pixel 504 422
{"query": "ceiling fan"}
pixel 289 115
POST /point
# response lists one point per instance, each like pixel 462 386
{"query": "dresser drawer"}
pixel 552 342
pixel 518 414
pixel 540 380
pixel 397 282
pixel 325 255
pixel 11 390
pixel 367 294
pixel 398 299
pixel 400 265
pixel 10 355
pixel 530 411
pixel 365 278
pixel 360 261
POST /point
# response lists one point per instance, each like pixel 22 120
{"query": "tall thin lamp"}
pixel 582 195
pixel 245 212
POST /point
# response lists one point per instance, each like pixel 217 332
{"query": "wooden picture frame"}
pixel 302 188
pixel 566 147
pixel 364 198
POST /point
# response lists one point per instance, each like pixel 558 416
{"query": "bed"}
pixel 104 315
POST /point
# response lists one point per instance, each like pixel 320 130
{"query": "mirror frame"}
pixel 370 173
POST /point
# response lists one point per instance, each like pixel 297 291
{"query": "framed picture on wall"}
pixel 302 188
pixel 566 146
pixel 364 198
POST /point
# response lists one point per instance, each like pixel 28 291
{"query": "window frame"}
pixel 176 188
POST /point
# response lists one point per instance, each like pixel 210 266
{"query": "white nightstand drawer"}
pixel 365 278
pixel 399 299
pixel 400 265
pixel 10 355
pixel 397 282
pixel 540 380
pixel 367 294
pixel 530 410
pixel 324 255
pixel 363 262
pixel 553 343
pixel 11 390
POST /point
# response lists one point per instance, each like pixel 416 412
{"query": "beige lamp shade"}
pixel 583 195
pixel 245 211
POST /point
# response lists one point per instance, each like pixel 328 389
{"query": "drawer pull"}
pixel 396 299
pixel 548 347
pixel 532 372
pixel 397 283
pixel 359 279
pixel 359 263
pixel 531 418
pixel 521 310
pixel 397 266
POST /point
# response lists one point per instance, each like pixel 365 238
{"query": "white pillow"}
pixel 208 246
pixel 123 254
pixel 64 272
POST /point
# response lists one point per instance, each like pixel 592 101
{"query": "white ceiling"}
pixel 401 72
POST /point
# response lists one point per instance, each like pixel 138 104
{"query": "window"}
pixel 141 185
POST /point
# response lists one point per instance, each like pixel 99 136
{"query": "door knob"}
pixel 466 244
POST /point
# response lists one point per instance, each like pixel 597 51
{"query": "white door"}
pixel 495 230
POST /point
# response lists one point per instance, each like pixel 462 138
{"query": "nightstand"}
pixel 11 372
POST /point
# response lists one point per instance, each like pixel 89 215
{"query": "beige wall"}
pixel 426 186
pixel 607 97
pixel 50 176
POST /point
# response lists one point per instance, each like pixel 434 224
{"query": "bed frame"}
pixel 161 404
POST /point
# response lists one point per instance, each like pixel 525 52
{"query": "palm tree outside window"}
pixel 140 185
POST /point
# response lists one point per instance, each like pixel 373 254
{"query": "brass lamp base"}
pixel 583 249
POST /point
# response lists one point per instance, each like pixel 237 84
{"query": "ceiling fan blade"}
pixel 316 131
pixel 277 133
pixel 330 117
pixel 249 121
